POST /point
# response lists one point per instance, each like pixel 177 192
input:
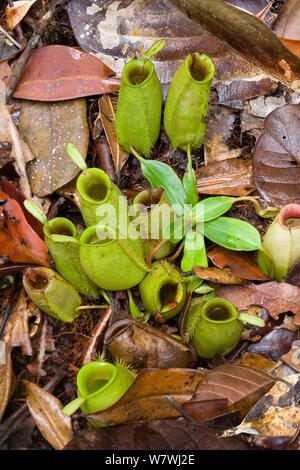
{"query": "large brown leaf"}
pixel 241 385
pixel 276 167
pixel 18 241
pixel 62 73
pixel 116 32
pixel 276 297
pixel 239 264
pixel 45 409
pixel 231 177
pixel 145 398
pixel 246 34
pixel 274 344
pixel 287 23
pixel 6 376
pixel 47 128
pixel 154 435
pixel 216 275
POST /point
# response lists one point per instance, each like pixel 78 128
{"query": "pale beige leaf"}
pixel 107 110
pixel 45 409
pixel 6 376
pixel 16 12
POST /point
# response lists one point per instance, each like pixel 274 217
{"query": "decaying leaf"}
pixel 287 23
pixel 274 344
pixel 292 358
pixel 239 264
pixel 216 275
pixel 255 360
pixel 18 241
pixel 7 49
pixel 144 346
pixel 276 167
pixel 47 128
pixel 145 398
pixel 155 435
pixel 107 112
pixel 117 32
pixel 18 330
pixel 62 73
pixel 241 385
pixel 16 12
pixel 246 34
pixel 6 376
pixel 220 121
pixel 276 414
pixel 232 177
pixel 45 409
pixel 276 297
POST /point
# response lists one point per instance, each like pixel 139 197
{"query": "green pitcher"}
pixel 111 261
pixel 213 325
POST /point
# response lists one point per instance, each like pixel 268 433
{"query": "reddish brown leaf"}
pixel 154 435
pixel 239 264
pixel 276 297
pixel 222 276
pixel 62 73
pixel 15 193
pixel 18 240
pixel 205 409
pixel 241 385
pixel 276 167
pixel 274 344
pixel 231 177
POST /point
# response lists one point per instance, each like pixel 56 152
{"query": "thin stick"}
pixel 15 43
pixel 154 251
pixel 89 307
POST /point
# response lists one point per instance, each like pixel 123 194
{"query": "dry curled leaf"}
pixel 232 177
pixel 16 12
pixel 59 72
pixel 239 264
pixel 276 159
pixel 145 398
pixel 274 344
pixel 154 435
pixel 22 324
pixel 47 128
pixel 107 112
pixel 216 275
pixel 45 409
pixel 6 376
pixel 241 385
pixel 276 297
pixel 145 347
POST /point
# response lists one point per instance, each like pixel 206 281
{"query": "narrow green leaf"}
pixel 35 210
pixel 155 48
pixel 194 250
pixel 252 319
pixel 232 233
pixel 76 156
pixel 211 207
pixel 189 180
pixel 134 310
pixel 160 174
pixel 175 230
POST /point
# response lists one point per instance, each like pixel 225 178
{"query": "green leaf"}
pixel 232 233
pixel 194 250
pixel 203 289
pixel 211 207
pixel 175 230
pixel 193 283
pixel 35 210
pixel 252 319
pixel 156 48
pixel 76 156
pixel 160 174
pixel 189 180
pixel 134 310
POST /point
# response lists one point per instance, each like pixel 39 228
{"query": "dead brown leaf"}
pixel 216 275
pixel 16 12
pixel 145 398
pixel 6 376
pixel 45 409
pixel 239 264
pixel 276 297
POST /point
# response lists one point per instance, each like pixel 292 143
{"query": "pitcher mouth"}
pixel 169 295
pixel 219 310
pixel 60 226
pixel 36 279
pixel 148 199
pixel 97 235
pixel 94 383
pixel 94 185
pixel 289 217
pixel 137 72
pixel 199 67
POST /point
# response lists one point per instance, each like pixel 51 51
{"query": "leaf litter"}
pixel 37 347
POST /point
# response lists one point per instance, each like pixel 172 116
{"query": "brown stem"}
pixel 10 304
pixel 31 44
pixel 154 251
pixel 96 336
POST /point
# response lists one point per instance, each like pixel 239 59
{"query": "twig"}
pixel 96 336
pixel 10 304
pixel 32 43
pixel 15 43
